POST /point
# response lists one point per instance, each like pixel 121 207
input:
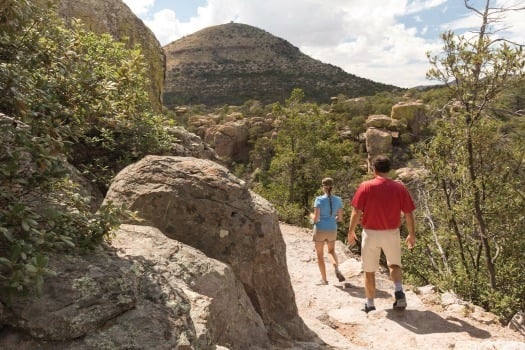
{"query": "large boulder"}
pixel 381 121
pixel 188 144
pixel 100 301
pixel 220 309
pixel 230 140
pixel 147 292
pixel 413 114
pixel 200 203
pixel 378 141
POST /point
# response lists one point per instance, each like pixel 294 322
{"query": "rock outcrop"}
pixel 378 141
pixel 97 301
pixel 201 204
pixel 220 310
pixel 115 17
pixel 389 134
pixel 145 292
pixel 412 114
pixel 190 145
pixel 230 140
pixel 231 136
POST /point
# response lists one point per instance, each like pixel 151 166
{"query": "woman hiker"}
pixel 328 211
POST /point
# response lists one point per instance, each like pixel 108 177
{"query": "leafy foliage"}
pixel 307 148
pixel 472 200
pixel 64 92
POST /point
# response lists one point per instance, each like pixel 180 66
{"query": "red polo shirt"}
pixel 382 200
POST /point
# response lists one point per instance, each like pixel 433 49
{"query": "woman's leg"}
pixel 335 262
pixel 319 249
pixel 331 253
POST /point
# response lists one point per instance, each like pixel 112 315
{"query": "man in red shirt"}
pixel 377 205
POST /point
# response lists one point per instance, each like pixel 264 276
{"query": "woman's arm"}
pixel 317 213
pixel 339 215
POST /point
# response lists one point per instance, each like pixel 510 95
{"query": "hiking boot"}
pixel 368 309
pixel 339 275
pixel 401 301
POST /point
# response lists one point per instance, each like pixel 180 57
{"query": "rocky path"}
pixel 334 311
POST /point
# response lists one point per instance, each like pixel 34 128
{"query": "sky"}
pixel 382 40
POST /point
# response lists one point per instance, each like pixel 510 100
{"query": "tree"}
pixel 475 169
pixel 306 149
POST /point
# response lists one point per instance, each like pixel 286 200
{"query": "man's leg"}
pixel 370 291
pixel 392 249
pixel 370 285
pixel 396 274
pixel 370 253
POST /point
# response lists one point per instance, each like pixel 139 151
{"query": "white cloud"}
pixel 422 5
pixel 165 25
pixel 139 7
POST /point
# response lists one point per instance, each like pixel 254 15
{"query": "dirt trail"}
pixel 335 313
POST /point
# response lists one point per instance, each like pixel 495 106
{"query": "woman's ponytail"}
pixel 328 184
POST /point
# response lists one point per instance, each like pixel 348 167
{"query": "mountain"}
pixel 232 63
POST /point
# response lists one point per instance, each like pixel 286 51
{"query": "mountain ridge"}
pixel 232 63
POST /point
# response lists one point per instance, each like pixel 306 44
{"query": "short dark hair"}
pixel 381 164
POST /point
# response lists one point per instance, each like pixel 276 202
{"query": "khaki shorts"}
pixel 372 243
pixel 324 235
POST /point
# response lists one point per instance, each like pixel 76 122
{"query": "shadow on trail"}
pixel 428 322
pixel 359 292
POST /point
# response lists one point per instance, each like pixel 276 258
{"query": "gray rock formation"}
pixel 201 204
pixel 413 114
pixel 101 301
pixel 190 145
pixel 147 291
pixel 220 310
pixel 387 134
pixel 378 141
pixel 200 123
pixel 230 140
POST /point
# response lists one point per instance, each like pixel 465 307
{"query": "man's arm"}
pixel 411 226
pixel 355 218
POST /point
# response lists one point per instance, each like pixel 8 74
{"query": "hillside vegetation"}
pixel 232 63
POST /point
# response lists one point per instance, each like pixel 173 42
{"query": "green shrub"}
pixel 65 94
